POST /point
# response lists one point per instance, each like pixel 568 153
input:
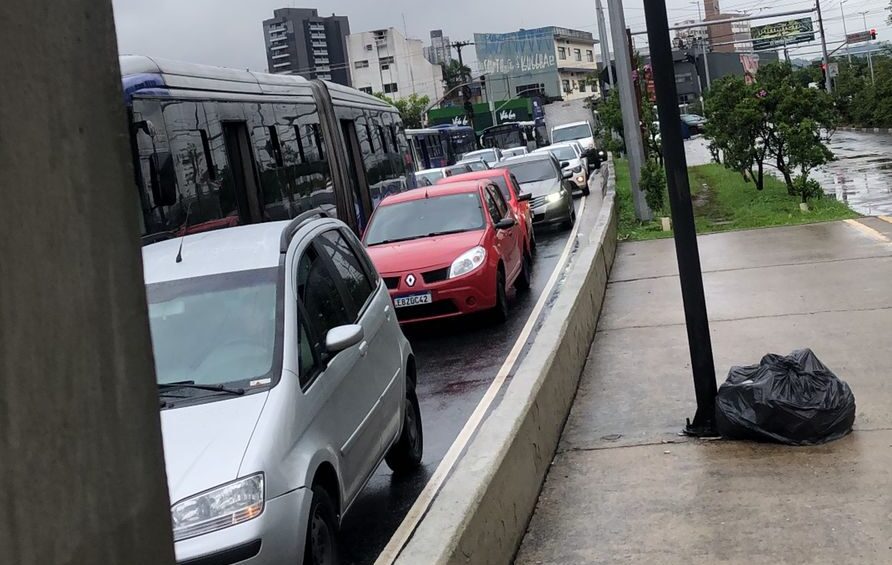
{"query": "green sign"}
pixel 514 110
pixel 780 34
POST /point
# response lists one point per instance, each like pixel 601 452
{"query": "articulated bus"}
pixel 215 147
pixel 515 134
pixel 429 149
pixel 459 140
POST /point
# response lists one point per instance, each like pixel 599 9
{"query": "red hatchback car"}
pixel 518 201
pixel 448 250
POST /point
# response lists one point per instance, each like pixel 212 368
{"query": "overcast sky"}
pixel 229 32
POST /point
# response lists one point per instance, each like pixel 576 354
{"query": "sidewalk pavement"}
pixel 624 487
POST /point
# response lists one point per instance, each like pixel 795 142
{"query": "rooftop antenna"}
pixel 185 232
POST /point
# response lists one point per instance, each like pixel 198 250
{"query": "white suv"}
pixel 284 380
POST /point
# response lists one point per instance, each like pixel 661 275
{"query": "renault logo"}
pixel 410 280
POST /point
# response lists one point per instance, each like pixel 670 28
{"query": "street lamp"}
pixel 844 31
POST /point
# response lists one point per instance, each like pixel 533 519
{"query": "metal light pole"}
pixel 845 31
pixel 869 45
pixel 629 106
pixel 686 250
pixel 828 83
pixel 706 65
pixel 605 45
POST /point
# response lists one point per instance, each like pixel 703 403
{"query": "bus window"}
pixel 241 164
pixel 312 176
pixel 275 148
pixel 383 139
pixel 206 147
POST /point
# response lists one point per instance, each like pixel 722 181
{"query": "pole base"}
pixel 705 429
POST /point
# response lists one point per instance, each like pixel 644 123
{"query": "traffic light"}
pixel 873 34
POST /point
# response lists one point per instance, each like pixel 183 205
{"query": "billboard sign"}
pixel 859 37
pixel 521 52
pixel 779 34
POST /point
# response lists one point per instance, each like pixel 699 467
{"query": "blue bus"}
pixel 459 140
pixel 215 147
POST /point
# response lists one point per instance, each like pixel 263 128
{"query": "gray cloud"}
pixel 229 32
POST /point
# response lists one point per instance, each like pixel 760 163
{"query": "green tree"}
pixel 454 74
pixel 610 120
pixel 411 108
pixel 737 127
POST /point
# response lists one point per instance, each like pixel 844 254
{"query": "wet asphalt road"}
pixel 861 175
pixel 457 360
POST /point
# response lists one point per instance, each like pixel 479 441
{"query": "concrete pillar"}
pixel 81 465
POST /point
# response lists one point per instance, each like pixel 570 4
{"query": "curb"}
pixel 867 130
pixel 482 511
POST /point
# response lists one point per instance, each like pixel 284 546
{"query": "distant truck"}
pixel 574 121
pixel 569 112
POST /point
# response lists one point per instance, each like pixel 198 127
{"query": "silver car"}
pixel 573 162
pixel 284 380
pixel 540 175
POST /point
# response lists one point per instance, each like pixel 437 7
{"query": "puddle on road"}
pixel 861 176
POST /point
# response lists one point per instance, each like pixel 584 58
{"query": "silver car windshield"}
pixel 571 133
pixel 563 153
pixel 533 171
pixel 216 329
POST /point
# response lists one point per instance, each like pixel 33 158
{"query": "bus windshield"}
pixel 504 137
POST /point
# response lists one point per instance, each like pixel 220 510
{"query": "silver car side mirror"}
pixel 343 337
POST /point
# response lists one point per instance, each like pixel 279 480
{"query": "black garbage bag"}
pixel 794 400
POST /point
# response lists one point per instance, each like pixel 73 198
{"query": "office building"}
pixel 727 37
pixel 553 62
pixel 299 41
pixel 440 50
pixel 384 61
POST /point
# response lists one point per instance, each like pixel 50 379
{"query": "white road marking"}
pixel 407 527
pixel 868 231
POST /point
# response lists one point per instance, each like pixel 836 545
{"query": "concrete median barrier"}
pixel 481 513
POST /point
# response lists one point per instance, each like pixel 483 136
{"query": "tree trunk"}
pixel 782 167
pixel 760 178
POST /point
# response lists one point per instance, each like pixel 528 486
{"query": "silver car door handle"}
pixel 364 348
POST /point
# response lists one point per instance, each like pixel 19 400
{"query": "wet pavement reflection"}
pixel 861 175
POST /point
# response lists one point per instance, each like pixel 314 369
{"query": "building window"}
pixel 582 86
pixel 366 89
pixel 578 54
pixel 565 85
pixel 360 65
pixel 390 88
pixel 368 47
pixel 385 67
pixel 385 60
pixel 562 53
pixel 686 77
pixel 589 56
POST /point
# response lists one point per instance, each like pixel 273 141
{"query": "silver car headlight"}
pixel 467 262
pixel 555 197
pixel 218 508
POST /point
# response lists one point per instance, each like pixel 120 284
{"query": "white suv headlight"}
pixel 467 262
pixel 218 508
pixel 555 197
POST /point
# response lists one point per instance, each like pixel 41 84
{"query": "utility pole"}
pixel 631 120
pixel 845 31
pixel 699 9
pixel 459 45
pixel 869 46
pixel 605 44
pixel 688 255
pixel 828 83
pixel 706 63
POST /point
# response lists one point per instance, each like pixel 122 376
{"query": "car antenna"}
pixel 185 232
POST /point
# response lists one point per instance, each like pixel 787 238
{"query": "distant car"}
pixel 572 161
pixel 517 200
pixel 540 174
pixel 284 379
pixel 695 123
pixel 448 250
pixel 475 164
pixel 427 177
pixel 580 132
pixel 492 155
pixel 514 152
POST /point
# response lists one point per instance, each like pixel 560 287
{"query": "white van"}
pixel 580 132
